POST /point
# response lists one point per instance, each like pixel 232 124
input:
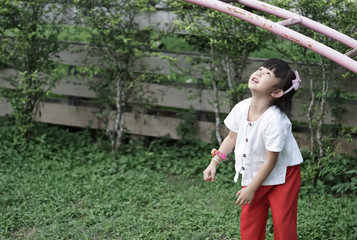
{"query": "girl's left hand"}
pixel 245 196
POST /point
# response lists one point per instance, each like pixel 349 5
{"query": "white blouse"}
pixel 272 132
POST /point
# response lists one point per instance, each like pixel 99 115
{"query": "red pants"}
pixel 282 199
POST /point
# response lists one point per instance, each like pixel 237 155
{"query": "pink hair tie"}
pixel 296 83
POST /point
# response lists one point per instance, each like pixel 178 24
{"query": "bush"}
pixel 337 175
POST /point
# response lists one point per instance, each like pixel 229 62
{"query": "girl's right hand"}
pixel 210 172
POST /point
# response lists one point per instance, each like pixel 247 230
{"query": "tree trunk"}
pixel 216 112
pixel 310 114
pixel 228 69
pixel 119 120
pixel 216 99
pixel 325 87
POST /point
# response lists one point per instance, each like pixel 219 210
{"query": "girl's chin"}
pixel 252 85
pixel 253 89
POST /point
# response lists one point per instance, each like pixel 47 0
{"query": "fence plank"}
pixel 136 123
pixel 70 86
pixel 5 108
pixel 6 73
pixel 161 19
pixel 79 55
pixel 185 97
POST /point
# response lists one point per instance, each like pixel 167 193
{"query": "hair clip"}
pixel 296 83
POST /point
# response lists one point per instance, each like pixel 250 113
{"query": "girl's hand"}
pixel 210 172
pixel 245 196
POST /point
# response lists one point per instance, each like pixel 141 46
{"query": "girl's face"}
pixel 263 81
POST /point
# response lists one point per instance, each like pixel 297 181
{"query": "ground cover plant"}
pixel 68 185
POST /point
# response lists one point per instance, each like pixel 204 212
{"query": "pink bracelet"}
pixel 215 152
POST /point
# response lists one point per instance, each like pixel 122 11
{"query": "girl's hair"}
pixel 282 71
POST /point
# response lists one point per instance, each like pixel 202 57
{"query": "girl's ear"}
pixel 277 93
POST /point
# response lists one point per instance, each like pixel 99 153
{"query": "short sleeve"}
pixel 231 120
pixel 275 136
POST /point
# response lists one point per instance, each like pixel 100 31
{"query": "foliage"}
pixel 188 128
pixel 227 42
pixel 29 43
pixel 266 53
pixel 115 43
pixel 335 174
pixel 323 86
pixel 319 71
pixel 175 43
pixel 68 186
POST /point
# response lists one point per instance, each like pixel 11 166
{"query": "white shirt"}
pixel 272 132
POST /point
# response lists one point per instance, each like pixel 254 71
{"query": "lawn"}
pixel 66 185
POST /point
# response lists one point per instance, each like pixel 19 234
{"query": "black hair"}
pixel 282 71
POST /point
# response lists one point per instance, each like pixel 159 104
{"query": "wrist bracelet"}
pixel 215 152
pixel 215 160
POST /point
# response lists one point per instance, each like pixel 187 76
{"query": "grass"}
pixel 67 186
pixel 55 200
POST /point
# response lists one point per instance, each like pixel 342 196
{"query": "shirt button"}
pixel 246 139
pixel 249 124
pixel 244 155
pixel 243 168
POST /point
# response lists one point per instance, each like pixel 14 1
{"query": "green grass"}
pixel 68 186
pixel 74 34
pixel 54 199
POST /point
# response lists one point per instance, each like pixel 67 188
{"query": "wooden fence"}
pixel 83 113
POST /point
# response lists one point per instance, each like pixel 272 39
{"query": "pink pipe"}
pixel 280 30
pixel 306 22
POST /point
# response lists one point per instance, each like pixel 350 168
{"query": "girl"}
pixel 266 153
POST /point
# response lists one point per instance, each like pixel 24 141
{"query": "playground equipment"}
pixel 281 28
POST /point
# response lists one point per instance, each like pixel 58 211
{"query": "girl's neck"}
pixel 257 108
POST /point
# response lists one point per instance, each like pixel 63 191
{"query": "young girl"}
pixel 266 153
